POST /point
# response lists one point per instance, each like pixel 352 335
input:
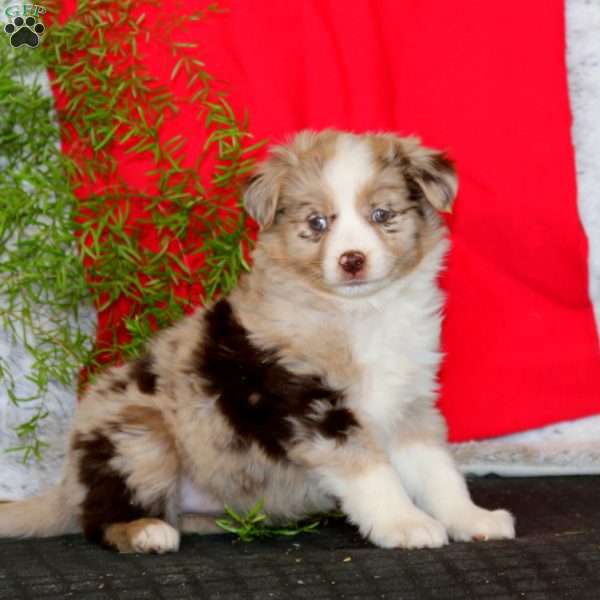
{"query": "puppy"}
pixel 312 385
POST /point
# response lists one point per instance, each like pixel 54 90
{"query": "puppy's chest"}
pixel 395 349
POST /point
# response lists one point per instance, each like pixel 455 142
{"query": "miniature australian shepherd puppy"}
pixel 311 386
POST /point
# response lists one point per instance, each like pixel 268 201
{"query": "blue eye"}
pixel 380 215
pixel 318 223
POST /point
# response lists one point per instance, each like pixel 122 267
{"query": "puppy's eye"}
pixel 318 223
pixel 380 215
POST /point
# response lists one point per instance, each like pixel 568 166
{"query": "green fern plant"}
pixel 58 251
pixel 42 284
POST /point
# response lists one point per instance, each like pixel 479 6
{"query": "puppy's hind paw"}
pixel 155 536
pixel 479 524
pixel 144 536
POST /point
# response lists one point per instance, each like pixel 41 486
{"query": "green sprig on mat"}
pixel 254 525
pixel 95 62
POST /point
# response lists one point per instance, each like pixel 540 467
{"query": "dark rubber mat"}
pixel 556 555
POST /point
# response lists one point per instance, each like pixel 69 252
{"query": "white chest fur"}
pixel 395 342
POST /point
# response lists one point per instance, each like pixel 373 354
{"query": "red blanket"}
pixel 486 81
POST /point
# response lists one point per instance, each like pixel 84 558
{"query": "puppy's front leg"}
pixel 374 499
pixel 432 479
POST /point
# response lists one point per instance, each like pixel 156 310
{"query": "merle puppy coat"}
pixel 312 385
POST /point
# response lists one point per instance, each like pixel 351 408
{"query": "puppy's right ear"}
pixel 263 190
pixel 261 197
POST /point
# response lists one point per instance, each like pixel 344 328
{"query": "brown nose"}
pixel 352 262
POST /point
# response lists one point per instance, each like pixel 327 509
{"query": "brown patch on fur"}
pixel 238 373
pixel 338 423
pixel 141 372
pixel 108 500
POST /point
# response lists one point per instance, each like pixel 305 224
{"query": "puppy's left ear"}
pixel 429 172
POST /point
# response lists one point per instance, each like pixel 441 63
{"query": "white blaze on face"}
pixel 345 174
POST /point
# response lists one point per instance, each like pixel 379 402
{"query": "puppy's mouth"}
pixel 357 282
pixel 352 287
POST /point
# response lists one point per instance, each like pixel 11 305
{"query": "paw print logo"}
pixel 24 31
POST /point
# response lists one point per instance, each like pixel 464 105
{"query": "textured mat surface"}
pixel 557 555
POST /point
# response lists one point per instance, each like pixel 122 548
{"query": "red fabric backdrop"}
pixel 487 81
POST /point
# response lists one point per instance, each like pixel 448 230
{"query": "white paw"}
pixel 416 531
pixel 479 524
pixel 155 536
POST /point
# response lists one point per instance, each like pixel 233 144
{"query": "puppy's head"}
pixel 351 213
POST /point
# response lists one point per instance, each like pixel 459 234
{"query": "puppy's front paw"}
pixel 479 524
pixel 416 531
